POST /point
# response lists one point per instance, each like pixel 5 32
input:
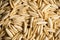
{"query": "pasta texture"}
pixel 29 19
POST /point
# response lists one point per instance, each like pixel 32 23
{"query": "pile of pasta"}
pixel 29 19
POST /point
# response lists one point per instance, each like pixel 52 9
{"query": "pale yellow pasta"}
pixel 29 19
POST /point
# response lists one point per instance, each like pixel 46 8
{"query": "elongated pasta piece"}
pixel 42 23
pixel 15 37
pixel 57 33
pixel 46 2
pixel 15 4
pixel 18 28
pixel 5 5
pixel 2 34
pixel 50 23
pixel 45 8
pixel 9 33
pixel 25 27
pixel 31 23
pixel 11 3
